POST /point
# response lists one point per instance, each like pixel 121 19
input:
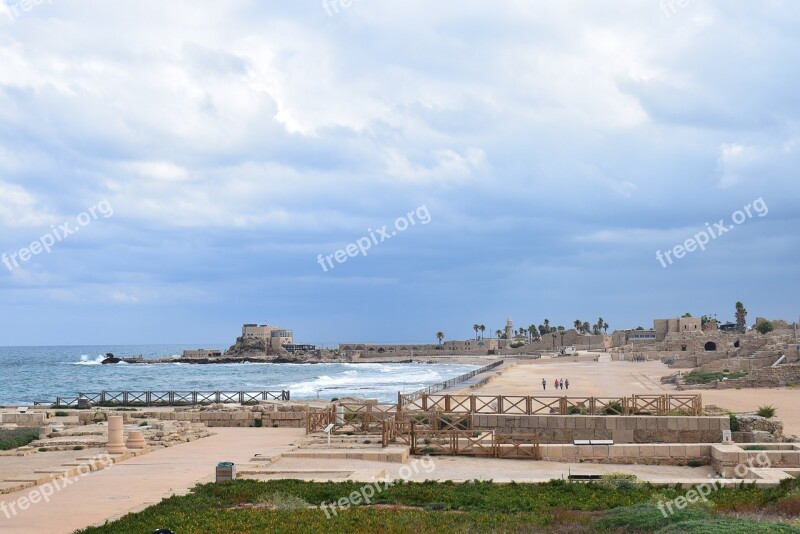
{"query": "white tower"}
pixel 509 329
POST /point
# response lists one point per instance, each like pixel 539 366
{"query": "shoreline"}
pixel 449 359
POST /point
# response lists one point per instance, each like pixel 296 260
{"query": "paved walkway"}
pixel 137 483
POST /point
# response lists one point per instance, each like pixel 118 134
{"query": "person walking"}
pixel 556 383
pixel 562 383
pixel 566 383
pixel 544 384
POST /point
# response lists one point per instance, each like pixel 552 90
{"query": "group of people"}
pixel 558 383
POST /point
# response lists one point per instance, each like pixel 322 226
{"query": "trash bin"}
pixel 226 471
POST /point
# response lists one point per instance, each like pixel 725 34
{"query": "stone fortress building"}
pixel 273 337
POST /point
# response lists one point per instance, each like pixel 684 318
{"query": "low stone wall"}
pixel 732 461
pixel 32 419
pixel 622 429
pixel 785 375
pixel 673 454
pixel 237 418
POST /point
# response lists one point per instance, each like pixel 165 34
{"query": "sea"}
pixel 40 374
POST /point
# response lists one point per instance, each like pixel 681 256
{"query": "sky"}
pixel 209 159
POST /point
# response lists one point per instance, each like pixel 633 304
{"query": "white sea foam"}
pixel 380 378
pixel 87 360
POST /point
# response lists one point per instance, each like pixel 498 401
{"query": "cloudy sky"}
pixel 555 146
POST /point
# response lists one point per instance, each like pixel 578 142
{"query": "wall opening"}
pixel 711 346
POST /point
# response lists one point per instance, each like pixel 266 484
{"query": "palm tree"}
pixel 498 333
pixel 531 331
pixel 440 337
pixel 562 331
pixel 605 328
pixel 547 325
pixel 482 328
pixel 741 316
pixel 476 327
pixel 578 325
pixel 554 340
pixel 586 327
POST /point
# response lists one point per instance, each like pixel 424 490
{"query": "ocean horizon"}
pixel 42 373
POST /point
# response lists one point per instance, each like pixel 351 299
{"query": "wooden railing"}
pixel 171 398
pixel 554 405
pixel 492 444
pixel 406 398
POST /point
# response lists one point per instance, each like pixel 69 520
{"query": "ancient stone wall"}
pixel 621 429
pixel 784 375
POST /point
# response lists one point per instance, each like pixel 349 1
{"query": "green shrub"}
pixel 283 501
pixel 618 481
pixel 766 411
pixel 257 423
pixel 735 426
pixel 17 437
pixel 61 414
pixel 77 448
pixel 614 408
pixel 144 423
pixel 577 410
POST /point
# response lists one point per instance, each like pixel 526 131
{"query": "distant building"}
pixel 274 337
pixel 681 325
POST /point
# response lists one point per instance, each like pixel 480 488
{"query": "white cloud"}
pixel 19 208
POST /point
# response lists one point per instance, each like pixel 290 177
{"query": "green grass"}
pixel 617 504
pixel 767 411
pixel 698 376
pixel 17 437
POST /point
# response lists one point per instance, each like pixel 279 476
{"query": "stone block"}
pixel 697 451
pixel 663 423
pixel 628 423
pixel 569 452
pixel 585 452
pixel 631 452
pixel 600 452
pixel 580 422
pixel 622 436
pixel 647 451
pixel 660 451
pixel 591 422
pixel 616 451
pixel 555 451
pixel 672 423
pixel 677 451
